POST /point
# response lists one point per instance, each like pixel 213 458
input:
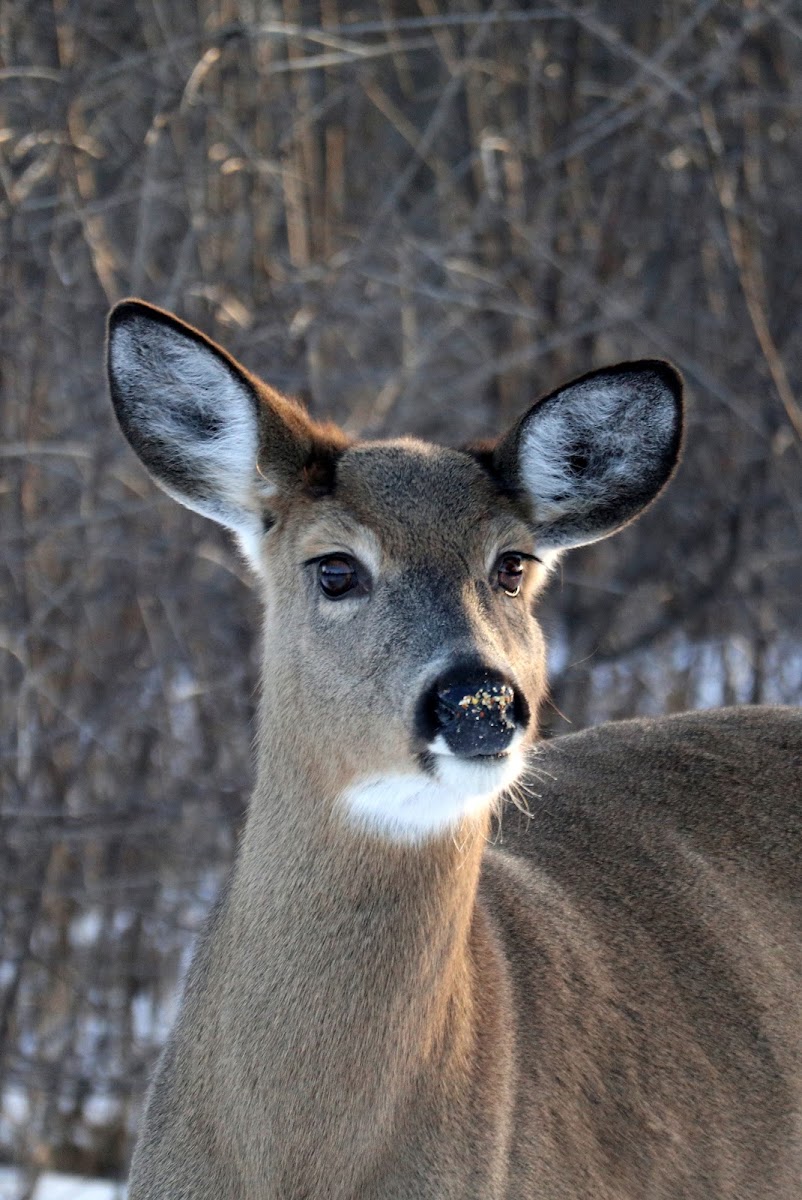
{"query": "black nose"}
pixel 476 710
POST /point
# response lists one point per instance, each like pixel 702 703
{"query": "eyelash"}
pixel 522 554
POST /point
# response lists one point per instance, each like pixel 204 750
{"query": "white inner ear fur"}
pixel 174 386
pixel 623 424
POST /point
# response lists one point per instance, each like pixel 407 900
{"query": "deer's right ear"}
pixel 188 411
pixel 213 436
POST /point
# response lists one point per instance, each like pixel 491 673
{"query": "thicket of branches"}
pixel 417 216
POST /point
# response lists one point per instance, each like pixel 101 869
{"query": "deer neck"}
pixel 347 962
pixel 334 910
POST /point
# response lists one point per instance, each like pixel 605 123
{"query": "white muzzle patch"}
pixel 415 807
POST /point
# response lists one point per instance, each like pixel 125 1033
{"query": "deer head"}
pixel 403 661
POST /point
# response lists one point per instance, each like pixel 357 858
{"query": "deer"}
pixel 454 960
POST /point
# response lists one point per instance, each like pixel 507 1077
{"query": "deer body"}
pixel 603 1005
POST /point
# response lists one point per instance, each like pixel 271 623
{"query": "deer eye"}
pixel 337 575
pixel 510 573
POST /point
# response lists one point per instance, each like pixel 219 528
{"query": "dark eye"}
pixel 510 573
pixel 337 575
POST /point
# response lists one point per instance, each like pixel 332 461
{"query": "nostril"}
pixel 447 705
pixel 521 711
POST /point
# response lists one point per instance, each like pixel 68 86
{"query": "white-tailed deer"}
pixel 606 1005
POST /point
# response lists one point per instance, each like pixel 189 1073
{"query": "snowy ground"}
pixel 58 1187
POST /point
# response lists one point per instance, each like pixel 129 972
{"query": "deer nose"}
pixel 476 712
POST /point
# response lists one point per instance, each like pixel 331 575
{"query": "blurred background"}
pixel 417 215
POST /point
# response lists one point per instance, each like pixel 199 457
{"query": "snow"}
pixel 86 928
pixel 52 1186
pixel 9 1187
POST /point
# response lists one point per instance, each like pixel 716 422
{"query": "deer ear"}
pixel 188 411
pixel 591 456
pixel 214 437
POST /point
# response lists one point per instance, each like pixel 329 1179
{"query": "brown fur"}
pixel 599 1001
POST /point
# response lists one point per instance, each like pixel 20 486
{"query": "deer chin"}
pixel 419 806
pixel 485 775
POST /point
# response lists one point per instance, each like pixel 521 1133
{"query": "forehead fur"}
pixel 405 486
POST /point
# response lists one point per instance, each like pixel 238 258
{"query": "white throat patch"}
pixel 416 807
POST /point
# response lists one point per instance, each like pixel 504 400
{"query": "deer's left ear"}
pixel 590 457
